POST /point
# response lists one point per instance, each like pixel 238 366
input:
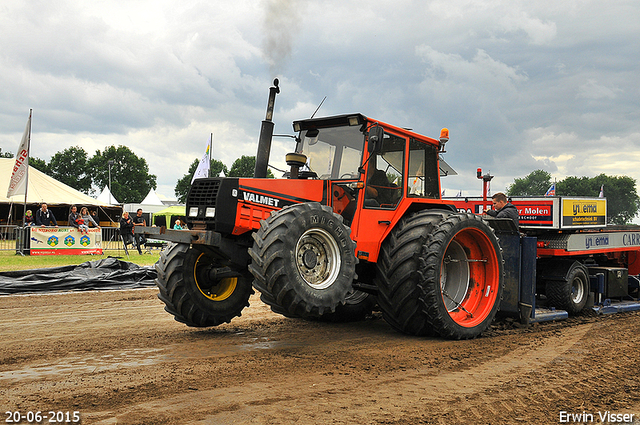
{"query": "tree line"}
pixel 131 181
pixel 130 177
pixel 623 202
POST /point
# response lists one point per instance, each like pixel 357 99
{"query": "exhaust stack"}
pixel 266 133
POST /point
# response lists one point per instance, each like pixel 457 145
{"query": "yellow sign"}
pixel 584 212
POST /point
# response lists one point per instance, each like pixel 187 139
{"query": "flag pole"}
pixel 26 183
pixel 210 153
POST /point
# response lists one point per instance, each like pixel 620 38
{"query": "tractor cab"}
pixel 376 171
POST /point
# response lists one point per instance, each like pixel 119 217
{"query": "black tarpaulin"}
pixel 108 273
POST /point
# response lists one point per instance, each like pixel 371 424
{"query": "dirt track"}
pixel 118 358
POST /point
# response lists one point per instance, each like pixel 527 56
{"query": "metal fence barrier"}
pixel 16 238
pixel 8 236
pixel 111 239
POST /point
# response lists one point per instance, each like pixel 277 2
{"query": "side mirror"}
pixel 376 136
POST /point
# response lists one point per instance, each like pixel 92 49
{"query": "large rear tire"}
pixel 463 280
pixel 399 273
pixel 303 260
pixel 190 295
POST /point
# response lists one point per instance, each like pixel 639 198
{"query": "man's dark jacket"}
pixel 508 211
pixel 45 218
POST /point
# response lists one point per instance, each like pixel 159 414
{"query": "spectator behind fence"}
pixel 44 217
pixel 177 225
pixel 126 228
pixel 28 218
pixel 86 220
pixel 74 219
pixel 138 220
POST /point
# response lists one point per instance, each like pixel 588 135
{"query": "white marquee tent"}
pixel 152 199
pixel 43 188
pixel 107 197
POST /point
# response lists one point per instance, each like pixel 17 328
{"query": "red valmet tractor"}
pixel 357 222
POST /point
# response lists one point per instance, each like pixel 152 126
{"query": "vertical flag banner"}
pixel 551 191
pixel 601 192
pixel 19 174
pixel 205 164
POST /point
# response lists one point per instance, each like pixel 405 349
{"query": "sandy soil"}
pixel 118 358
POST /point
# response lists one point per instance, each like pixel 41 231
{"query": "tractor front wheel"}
pixel 191 291
pixel 358 305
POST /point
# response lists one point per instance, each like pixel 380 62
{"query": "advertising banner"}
pixel 537 212
pixel 64 241
pixel 551 212
pixel 534 212
pixel 602 240
pixel 584 212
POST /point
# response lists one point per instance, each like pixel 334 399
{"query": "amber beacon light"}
pixel 444 138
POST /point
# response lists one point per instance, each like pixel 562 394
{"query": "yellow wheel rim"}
pixel 218 292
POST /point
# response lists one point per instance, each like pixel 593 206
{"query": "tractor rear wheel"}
pixel 304 259
pixel 399 273
pixel 462 268
pixel 189 292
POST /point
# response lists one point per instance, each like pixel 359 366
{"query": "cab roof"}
pixel 356 119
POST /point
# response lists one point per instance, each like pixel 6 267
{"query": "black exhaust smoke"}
pixel 266 133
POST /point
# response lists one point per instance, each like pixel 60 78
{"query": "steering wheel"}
pixel 348 175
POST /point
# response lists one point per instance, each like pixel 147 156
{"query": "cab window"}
pixel 423 177
pixel 385 174
pixel 333 152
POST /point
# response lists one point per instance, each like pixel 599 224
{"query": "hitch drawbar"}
pixel 201 237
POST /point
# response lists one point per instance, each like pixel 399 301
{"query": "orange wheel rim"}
pixel 469 277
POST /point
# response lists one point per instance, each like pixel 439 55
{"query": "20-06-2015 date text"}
pixel 46 417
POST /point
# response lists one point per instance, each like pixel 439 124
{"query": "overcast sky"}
pixel 521 85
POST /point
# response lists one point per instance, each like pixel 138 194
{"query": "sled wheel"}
pixel 305 259
pixel 399 273
pixel 463 277
pixel 571 293
pixel 189 293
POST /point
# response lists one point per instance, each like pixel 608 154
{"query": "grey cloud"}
pixel 520 85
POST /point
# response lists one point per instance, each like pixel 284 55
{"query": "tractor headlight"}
pixel 193 212
pixel 210 212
